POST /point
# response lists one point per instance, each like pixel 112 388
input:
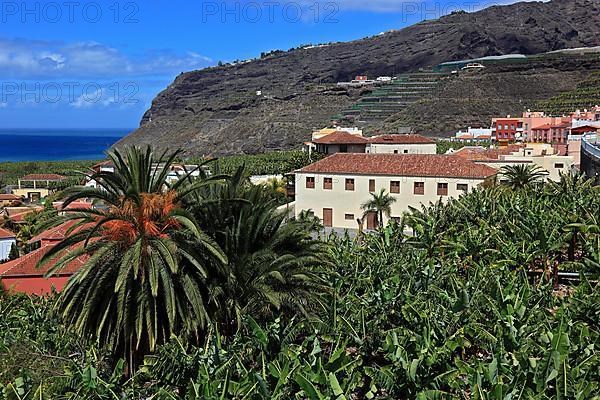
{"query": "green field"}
pixel 10 172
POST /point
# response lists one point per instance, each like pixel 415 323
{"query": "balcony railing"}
pixel 590 145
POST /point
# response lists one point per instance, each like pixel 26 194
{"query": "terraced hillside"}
pixel 391 98
pixel 585 95
pixel 473 98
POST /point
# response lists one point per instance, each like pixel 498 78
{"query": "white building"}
pixel 176 172
pixel 477 134
pixel 7 239
pixel 401 144
pixel 335 188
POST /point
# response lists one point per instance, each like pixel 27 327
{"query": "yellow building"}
pixel 35 187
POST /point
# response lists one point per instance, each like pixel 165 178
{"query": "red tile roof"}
pixel 586 128
pixel 6 234
pixel 425 165
pixel 76 205
pixel 27 265
pixel 20 217
pixel 545 127
pixel 18 214
pixel 481 153
pixel 341 137
pixel 400 139
pixel 57 233
pixel 9 197
pixel 43 177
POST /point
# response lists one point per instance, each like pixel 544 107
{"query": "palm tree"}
pixel 147 260
pixel 272 264
pixel 522 175
pixel 278 189
pixel 381 204
pixel 309 220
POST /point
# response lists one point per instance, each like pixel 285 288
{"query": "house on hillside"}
pixel 7 240
pixel 335 188
pixel 35 187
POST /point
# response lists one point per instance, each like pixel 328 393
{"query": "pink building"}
pixel 551 133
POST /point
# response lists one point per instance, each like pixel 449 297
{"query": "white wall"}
pixel 348 202
pixel 547 163
pixel 389 148
pixel 5 245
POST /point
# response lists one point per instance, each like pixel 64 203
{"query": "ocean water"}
pixel 57 144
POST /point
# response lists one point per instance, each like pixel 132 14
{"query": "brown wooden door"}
pixel 372 220
pixel 328 217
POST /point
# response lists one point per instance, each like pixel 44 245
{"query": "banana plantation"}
pixel 206 291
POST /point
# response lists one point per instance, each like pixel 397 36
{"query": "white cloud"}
pixel 36 59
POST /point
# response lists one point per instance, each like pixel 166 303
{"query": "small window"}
pixel 349 217
pixel 310 182
pixel 371 185
pixel 419 188
pixel 442 189
pixel 349 184
pixel 559 165
pixel 462 187
pixel 406 151
pixel 343 148
pixel 395 151
pixel 395 187
pixel 327 183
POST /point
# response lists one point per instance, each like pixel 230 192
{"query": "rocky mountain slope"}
pixel 472 98
pixel 219 111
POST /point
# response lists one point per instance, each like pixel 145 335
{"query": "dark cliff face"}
pixel 217 110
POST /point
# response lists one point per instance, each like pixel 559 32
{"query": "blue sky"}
pixel 98 64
